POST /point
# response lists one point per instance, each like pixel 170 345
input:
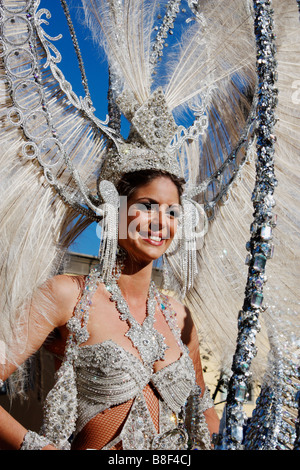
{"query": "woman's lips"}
pixel 154 240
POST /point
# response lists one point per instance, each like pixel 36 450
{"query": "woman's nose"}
pixel 158 219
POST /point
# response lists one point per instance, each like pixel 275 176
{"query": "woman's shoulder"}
pixel 64 285
pixel 182 312
pixel 185 322
pixel 65 291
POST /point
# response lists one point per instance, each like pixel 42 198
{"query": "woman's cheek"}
pixel 138 223
pixel 133 229
pixel 175 226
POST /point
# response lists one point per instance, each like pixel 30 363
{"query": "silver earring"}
pixel 110 227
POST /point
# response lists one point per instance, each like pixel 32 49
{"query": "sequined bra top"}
pixel 108 375
pixel 94 378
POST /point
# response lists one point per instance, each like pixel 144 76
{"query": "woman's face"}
pixel 148 219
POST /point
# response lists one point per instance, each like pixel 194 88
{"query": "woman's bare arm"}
pixel 190 339
pixel 210 414
pixel 61 295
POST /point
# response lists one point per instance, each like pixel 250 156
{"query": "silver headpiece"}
pixel 149 145
pixel 129 157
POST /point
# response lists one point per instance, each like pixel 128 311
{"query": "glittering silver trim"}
pixel 33 441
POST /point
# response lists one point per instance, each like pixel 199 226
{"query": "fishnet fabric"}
pixel 106 426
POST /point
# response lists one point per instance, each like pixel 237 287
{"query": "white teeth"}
pixel 156 239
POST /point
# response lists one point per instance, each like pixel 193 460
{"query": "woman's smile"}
pixel 150 219
pixel 154 240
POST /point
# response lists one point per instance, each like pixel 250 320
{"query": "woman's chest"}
pixel 139 338
pixel 104 323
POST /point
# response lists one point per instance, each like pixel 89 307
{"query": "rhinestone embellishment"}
pixel 148 341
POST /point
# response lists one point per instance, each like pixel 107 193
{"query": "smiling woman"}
pixel 134 379
pixel 150 211
pixel 130 374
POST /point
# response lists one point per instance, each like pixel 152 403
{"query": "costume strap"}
pixel 60 410
pixel 170 316
pixel 77 325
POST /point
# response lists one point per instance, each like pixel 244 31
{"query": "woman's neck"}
pixel 134 281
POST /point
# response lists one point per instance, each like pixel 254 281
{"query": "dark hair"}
pixel 130 182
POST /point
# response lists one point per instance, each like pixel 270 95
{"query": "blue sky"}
pixel 96 71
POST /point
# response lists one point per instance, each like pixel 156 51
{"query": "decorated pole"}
pixel 260 247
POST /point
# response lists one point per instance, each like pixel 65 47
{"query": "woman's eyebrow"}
pixel 153 201
pixel 146 199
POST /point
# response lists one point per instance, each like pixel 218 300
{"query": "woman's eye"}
pixel 173 212
pixel 144 206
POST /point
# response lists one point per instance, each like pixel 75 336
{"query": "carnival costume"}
pixel 231 75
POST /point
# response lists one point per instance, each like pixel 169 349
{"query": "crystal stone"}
pixel 256 299
pixel 266 232
pixel 259 262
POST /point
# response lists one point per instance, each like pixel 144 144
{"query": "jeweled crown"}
pixel 148 144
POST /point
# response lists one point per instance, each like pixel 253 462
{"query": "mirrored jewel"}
pixel 256 299
pixel 259 262
pixel 266 232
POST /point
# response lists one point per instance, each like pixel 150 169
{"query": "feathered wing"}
pixel 218 292
pixel 51 152
pixel 124 30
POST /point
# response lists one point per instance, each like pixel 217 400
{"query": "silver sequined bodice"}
pixel 108 375
pixel 96 377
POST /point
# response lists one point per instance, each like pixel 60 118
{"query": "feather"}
pixel 124 30
pixel 212 49
pixel 216 297
pixel 42 196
